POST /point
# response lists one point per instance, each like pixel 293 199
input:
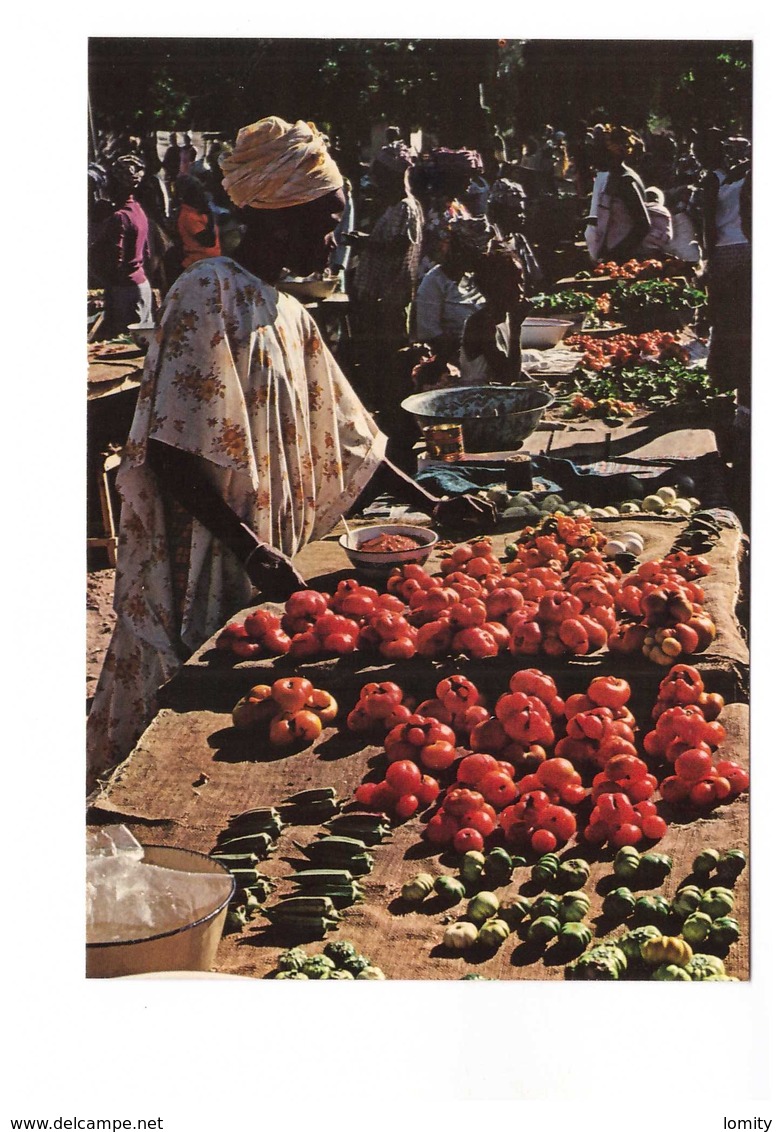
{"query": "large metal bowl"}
pixel 494 418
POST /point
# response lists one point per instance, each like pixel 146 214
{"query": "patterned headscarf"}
pixel 505 193
pixel 278 165
pixel 473 234
pixel 127 171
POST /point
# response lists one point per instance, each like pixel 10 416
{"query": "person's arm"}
pixel 184 477
pixel 450 512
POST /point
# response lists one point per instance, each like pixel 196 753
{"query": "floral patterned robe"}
pixel 239 375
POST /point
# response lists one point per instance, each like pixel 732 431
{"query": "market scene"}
pixel 418 508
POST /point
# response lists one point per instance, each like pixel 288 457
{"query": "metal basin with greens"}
pixel 494 418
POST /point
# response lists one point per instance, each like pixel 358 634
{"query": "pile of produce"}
pixel 339 959
pixel 654 383
pixel 621 350
pixel 564 303
pixel 629 299
pixel 291 712
pixel 247 839
pixel 539 768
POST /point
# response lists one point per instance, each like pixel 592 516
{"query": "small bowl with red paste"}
pixel 375 551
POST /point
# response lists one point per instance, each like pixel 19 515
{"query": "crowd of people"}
pixel 249 440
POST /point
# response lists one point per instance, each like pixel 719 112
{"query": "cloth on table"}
pixel 239 376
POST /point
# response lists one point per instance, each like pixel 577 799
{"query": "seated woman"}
pixel 491 341
pixel 447 294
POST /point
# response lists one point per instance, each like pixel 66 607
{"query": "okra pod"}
pixel 236 860
pixel 308 877
pixel 259 843
pixel 317 794
pixel 313 905
pixel 348 845
pixel 313 813
pixel 304 927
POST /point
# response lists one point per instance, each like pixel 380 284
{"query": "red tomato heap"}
pixel 666 602
pixel 291 711
pixel 260 634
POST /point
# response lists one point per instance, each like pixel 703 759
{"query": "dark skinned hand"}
pixel 273 574
pixel 465 511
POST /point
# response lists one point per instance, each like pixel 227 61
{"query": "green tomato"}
pixel 705 966
pixel 627 862
pixel 493 932
pixel 652 910
pixel 545 870
pixel 717 902
pixel 669 972
pixel 705 862
pixel 546 905
pixel 416 890
pixel 631 942
pixel 482 907
pixel 514 909
pixel 653 868
pixel 460 936
pixel 499 867
pixel 730 865
pixel 543 929
pixel 449 890
pixel 724 931
pixel 471 867
pixel 575 936
pixel 370 973
pixel 573 873
pixel 573 907
pixel 619 903
pixel 687 900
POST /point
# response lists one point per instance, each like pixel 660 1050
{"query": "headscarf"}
pixel 127 172
pixel 278 165
pixel 505 193
pixel 620 140
pixel 471 233
pixel 456 160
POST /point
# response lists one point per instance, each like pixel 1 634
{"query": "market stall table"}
pixel 192 770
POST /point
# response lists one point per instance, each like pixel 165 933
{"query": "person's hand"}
pixel 273 574
pixel 353 238
pixel 465 511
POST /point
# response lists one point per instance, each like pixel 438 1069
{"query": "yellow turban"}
pixel 277 165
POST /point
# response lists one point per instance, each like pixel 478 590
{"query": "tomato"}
pixel 609 691
pixel 475 642
pixel 441 829
pixel 340 643
pixel 467 839
pixel 640 789
pixel 406 805
pixel 484 820
pixel 403 776
pixel 626 834
pixel 711 704
pixel 693 765
pixel 427 790
pixel 323 704
pixel 400 648
pixel 469 718
pixel 438 755
pixel 365 793
pixel 736 775
pixel 434 640
pixel 543 841
pixel 703 793
pixel 557 772
pixel 359 604
pixel 572 793
pixel 457 692
pixel 246 649
pixel 292 692
pixel 625 767
pixel 472 768
pixel 506 768
pixel 489 736
pixel 259 622
pixel 498 789
pixel 674 789
pixel 560 821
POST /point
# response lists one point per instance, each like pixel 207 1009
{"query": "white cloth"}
pixel 728 215
pixel 239 376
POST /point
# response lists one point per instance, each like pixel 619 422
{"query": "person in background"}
pixel 449 174
pixel 195 222
pixel 619 219
pixel 248 441
pixel 447 294
pixel 120 252
pixel 506 211
pixel 385 275
pixel 491 339
pixel 187 155
pixel 171 162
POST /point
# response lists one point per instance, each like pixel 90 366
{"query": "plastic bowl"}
pixel 494 418
pixel 543 333
pixel 373 564
pixel 191 947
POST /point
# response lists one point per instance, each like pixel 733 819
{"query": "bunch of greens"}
pixel 636 298
pixel 563 302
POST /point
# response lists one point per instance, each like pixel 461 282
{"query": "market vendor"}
pixel 619 219
pixel 491 340
pixel 247 443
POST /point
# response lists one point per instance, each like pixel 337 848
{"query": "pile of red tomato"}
pixel 518 774
pixel 558 597
pixel 686 735
pixel 627 349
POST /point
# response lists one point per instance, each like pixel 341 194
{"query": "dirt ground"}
pixel 100 622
